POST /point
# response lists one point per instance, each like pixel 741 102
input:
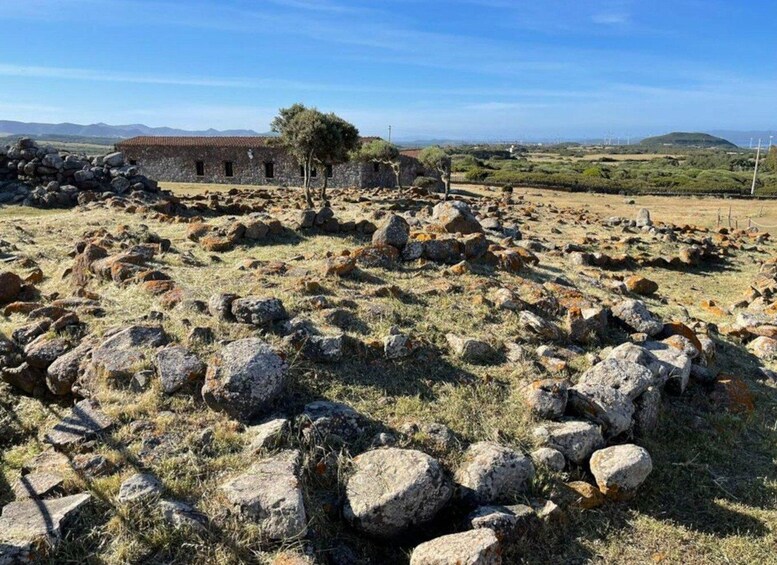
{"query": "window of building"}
pixel 301 171
pixel 200 166
pixel 313 172
pixel 133 162
pixel 229 169
pixel 376 167
pixel 329 172
pixel 269 170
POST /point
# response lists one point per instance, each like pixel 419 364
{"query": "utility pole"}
pixel 755 172
pixel 389 134
pixel 770 141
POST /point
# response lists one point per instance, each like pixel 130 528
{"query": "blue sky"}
pixel 480 69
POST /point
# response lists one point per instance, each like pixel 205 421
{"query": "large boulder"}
pixel 575 439
pixel 64 371
pixel 258 311
pixel 455 217
pixel 627 377
pixel 493 473
pixel 475 547
pixel 270 495
pixel 621 469
pixel 244 378
pixel 636 316
pixel 393 489
pixel 395 231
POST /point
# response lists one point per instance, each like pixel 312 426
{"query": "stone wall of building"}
pixel 249 165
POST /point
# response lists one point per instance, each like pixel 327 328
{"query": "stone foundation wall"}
pixel 179 164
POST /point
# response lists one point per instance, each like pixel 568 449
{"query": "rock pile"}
pixel 43 176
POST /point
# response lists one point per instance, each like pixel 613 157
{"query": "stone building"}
pixel 251 160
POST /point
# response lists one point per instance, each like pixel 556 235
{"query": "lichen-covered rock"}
pixel 674 365
pixel 177 366
pixel 603 405
pixel 270 495
pixel 647 409
pixel 331 422
pixel 393 489
pixel 475 547
pixel 395 231
pixel 140 487
pixel 64 370
pixel 44 351
pixel 83 421
pixel 621 469
pixel 267 434
pixel 258 311
pixel 549 458
pixel 575 439
pixel 636 316
pixel 120 354
pixel 535 326
pixel 627 377
pixel 244 378
pixel 508 522
pixel 763 347
pixel 29 527
pixel 547 398
pixel 493 473
pixel 470 349
pixel 455 217
pixel 220 306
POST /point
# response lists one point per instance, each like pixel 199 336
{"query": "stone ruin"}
pixel 43 176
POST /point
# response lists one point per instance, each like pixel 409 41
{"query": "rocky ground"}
pixel 227 377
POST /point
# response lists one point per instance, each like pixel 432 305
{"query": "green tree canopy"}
pixel 311 137
pixel 437 159
pixel 382 151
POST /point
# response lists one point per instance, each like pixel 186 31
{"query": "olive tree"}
pixel 313 137
pixel 437 159
pixel 341 139
pixel 382 151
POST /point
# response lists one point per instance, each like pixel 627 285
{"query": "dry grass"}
pixel 712 497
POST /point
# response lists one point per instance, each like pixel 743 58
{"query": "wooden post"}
pixel 729 217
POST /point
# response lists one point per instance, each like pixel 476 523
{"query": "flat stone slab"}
pixel 28 527
pixel 84 421
pixel 36 485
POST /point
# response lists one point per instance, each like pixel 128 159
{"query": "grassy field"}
pixel 712 497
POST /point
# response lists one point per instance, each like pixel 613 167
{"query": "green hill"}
pixel 685 139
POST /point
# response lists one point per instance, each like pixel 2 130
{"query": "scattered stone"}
pixel 631 379
pixel 493 473
pixel 258 311
pixel 547 399
pixel 140 487
pixel 36 485
pixel 181 515
pixel 575 439
pixel 621 469
pixel 120 354
pixel 268 434
pixel 763 347
pixel 270 495
pixel 28 528
pixel 507 522
pixel 177 366
pixel 549 458
pixel 635 315
pixel 603 405
pixel 84 421
pixel 244 378
pixel 220 306
pixel 395 231
pixel 476 547
pixel 470 349
pixel 641 285
pixel 10 286
pixel 586 496
pixel 455 217
pixel 331 422
pixel 393 489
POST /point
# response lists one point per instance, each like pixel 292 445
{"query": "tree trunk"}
pixel 306 180
pixel 397 171
pixel 323 187
pixel 445 176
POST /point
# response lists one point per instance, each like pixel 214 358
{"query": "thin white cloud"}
pixel 611 18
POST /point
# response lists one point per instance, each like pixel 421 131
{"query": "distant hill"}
pixel 106 131
pixel 688 140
